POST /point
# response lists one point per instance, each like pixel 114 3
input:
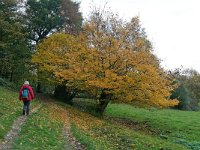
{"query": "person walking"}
pixel 26 94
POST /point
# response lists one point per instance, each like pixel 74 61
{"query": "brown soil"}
pixel 63 115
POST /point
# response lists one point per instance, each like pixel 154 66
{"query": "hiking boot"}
pixel 27 112
pixel 24 112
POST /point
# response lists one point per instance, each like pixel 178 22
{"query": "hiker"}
pixel 26 94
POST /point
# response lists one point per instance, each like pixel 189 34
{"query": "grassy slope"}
pixel 177 126
pixel 43 130
pixel 100 134
pixel 40 132
pixel 10 108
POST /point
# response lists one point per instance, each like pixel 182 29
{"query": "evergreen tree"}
pixel 188 90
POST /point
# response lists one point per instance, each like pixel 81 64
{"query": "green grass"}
pixel 176 126
pixel 99 134
pixel 40 132
pixel 85 139
pixel 10 108
pixel 86 105
pixel 170 129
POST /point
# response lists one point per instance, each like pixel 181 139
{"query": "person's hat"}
pixel 26 82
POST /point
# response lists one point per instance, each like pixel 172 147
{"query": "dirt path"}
pixel 14 132
pixel 59 113
pixel 66 132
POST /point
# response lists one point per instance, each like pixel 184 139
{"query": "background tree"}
pixel 48 16
pixel 193 82
pixel 14 52
pixel 42 18
pixel 109 61
pixel 184 96
pixel 71 16
pixel 45 17
pixel 188 90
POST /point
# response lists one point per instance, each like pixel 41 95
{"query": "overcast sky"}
pixel 173 26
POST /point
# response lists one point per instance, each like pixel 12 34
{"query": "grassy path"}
pixel 14 132
pixel 10 109
pixel 61 114
pixel 47 126
pixel 54 125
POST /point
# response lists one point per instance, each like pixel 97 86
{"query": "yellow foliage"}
pixel 95 60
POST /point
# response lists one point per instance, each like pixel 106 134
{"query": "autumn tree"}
pixel 111 59
pixel 49 54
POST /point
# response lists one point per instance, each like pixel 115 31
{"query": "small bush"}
pixel 9 85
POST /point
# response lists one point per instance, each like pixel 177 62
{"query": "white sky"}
pixel 173 26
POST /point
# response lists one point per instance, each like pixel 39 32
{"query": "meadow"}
pixel 177 126
pixel 122 126
pixel 140 128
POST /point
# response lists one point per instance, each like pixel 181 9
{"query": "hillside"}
pixel 173 125
pixel 56 125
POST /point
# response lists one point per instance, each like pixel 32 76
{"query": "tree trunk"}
pixel 2 71
pixel 11 76
pixel 102 106
pixel 62 93
pixel 39 89
pixel 103 102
